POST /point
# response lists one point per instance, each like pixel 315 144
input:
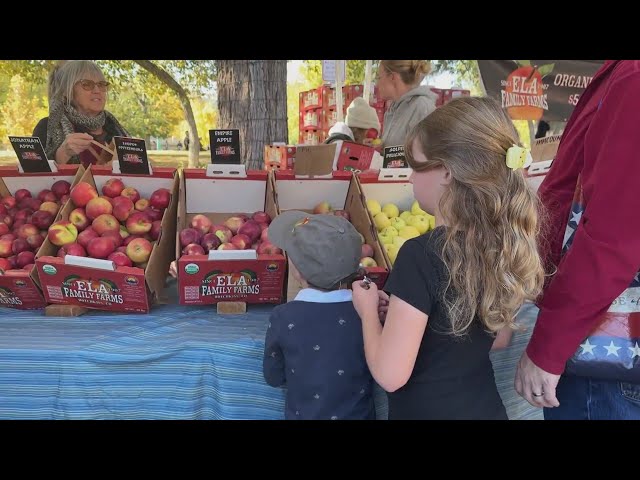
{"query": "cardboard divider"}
pixel 204 282
pixel 127 289
pixel 342 191
pixel 21 288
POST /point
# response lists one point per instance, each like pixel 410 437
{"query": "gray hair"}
pixel 65 75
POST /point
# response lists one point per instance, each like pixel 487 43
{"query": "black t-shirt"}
pixel 453 376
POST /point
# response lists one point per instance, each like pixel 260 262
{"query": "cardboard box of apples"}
pixel 111 245
pixel 222 244
pixel 393 210
pixel 29 205
pixel 314 187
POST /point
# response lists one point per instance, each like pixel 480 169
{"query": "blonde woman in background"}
pixel 399 81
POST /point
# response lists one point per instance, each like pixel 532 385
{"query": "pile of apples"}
pixel 119 225
pixel 366 255
pixel 24 221
pixel 238 232
pixel 395 228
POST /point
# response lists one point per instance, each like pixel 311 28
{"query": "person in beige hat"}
pixel 361 117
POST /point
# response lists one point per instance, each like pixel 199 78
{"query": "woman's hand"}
pixel 173 269
pixel 383 305
pixel 76 143
pixel 365 300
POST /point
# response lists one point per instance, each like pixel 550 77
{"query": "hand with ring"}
pixel 535 385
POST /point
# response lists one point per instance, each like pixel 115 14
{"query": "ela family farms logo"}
pixel 524 92
pixel 218 282
pixel 7 297
pixel 100 291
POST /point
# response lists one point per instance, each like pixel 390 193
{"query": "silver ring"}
pixel 538 394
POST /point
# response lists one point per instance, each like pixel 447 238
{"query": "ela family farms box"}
pixel 100 284
pixel 21 288
pixel 250 275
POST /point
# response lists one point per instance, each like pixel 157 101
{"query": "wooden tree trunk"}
pixel 252 97
pixel 167 79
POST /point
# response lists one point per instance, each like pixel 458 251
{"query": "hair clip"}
pixel 518 157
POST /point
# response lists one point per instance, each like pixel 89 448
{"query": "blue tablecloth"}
pixel 175 363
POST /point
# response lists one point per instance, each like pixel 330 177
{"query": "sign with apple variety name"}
pixel 225 146
pixel 329 70
pixel 30 154
pixel 538 89
pixel 132 155
pixel 394 157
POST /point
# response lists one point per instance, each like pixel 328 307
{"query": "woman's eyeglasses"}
pixel 90 85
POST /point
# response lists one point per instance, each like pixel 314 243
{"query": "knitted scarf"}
pixel 65 119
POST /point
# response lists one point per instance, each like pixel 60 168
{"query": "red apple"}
pixel 79 218
pixel 4 229
pixel 131 193
pixel 43 219
pixel 101 247
pixel 62 233
pixel 120 259
pixel 227 246
pixel 47 196
pixel 189 235
pixel 201 223
pixel 209 242
pixel 61 188
pixel 192 249
pixel 139 250
pixel 9 202
pixel 3 210
pixel 234 223
pixel 241 241
pixel 223 233
pixel 22 194
pixel 26 230
pixel 82 193
pixel 64 199
pixel 7 220
pixel 13 261
pixel 9 236
pixel 115 236
pixel 153 214
pixel 12 212
pixel 243 216
pixel 122 208
pixel 98 206
pixel 251 229
pixel 122 249
pixel 106 223
pixel 130 239
pixel 4 264
pixel 342 213
pixel 138 223
pixel 25 258
pixel 86 236
pixel 264 236
pixel 112 187
pixel 23 215
pixel 261 217
pixel 51 207
pixel 20 245
pixel 156 227
pixel 268 248
pixel 35 242
pixel 160 199
pixel 5 247
pixel 32 203
pixel 72 249
pixel 17 225
pixel 367 250
pixel 142 204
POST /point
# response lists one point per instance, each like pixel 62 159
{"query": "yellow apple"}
pixel 382 221
pixel 389 232
pixel 391 210
pixel 392 252
pixel 398 223
pixel 374 207
pixel 420 222
pixel 416 210
pixel 409 232
pixel 385 239
pixel 432 223
pixel 399 241
pixel 405 215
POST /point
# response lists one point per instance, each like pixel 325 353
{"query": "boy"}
pixel 314 344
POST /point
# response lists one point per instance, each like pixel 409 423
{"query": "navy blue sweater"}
pixel 314 347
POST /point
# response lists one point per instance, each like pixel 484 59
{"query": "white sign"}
pixel 329 70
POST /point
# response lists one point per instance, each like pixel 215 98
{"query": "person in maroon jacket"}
pixel 600 148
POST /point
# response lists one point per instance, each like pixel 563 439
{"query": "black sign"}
pixel 538 89
pixel 30 154
pixel 132 155
pixel 394 157
pixel 225 146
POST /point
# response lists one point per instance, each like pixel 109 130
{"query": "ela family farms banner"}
pixel 538 89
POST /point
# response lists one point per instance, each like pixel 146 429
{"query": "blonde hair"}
pixel 412 72
pixel 492 216
pixel 64 76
